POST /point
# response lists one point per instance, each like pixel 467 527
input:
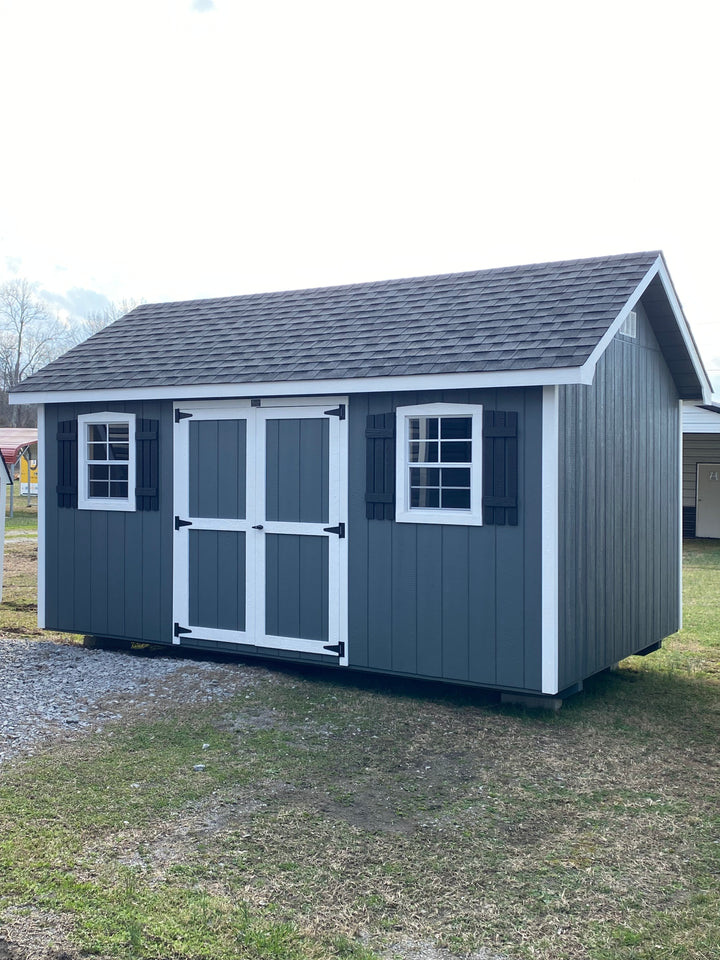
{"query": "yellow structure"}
pixel 31 467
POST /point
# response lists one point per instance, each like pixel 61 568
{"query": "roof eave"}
pixel 286 388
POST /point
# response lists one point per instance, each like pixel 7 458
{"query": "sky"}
pixel 179 149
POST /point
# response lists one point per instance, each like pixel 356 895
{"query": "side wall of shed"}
pixel 619 569
pixel 109 573
pixel 451 602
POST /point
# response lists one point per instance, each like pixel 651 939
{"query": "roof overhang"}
pixel 671 328
pixel 294 388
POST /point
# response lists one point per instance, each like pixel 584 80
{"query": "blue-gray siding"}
pixel 619 508
pixel 217 579
pixel 453 602
pixel 218 451
pixel 109 573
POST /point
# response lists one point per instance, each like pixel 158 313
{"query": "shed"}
pixel 471 477
pixel 701 470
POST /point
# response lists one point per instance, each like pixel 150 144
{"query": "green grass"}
pixel 24 516
pixel 337 814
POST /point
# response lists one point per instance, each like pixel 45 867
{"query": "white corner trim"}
pixel 680 516
pixel 550 539
pixel 41 517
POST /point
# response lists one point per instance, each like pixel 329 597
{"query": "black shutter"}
pixel 67 463
pixel 500 467
pixel 380 466
pixel 147 464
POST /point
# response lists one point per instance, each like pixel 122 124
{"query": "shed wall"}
pixel 448 602
pixel 109 573
pixel 457 603
pixel 619 519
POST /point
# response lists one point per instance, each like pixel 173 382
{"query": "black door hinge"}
pixel 181 415
pixel 338 412
pixel 339 530
pixel 178 630
pixel 338 648
pixel 182 523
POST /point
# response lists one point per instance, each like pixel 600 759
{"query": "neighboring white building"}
pixel 701 470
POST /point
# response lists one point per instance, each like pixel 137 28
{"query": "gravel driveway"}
pixel 61 689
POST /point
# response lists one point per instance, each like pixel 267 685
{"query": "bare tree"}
pixel 29 338
pixel 97 320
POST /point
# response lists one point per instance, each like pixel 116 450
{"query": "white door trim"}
pixel 256 416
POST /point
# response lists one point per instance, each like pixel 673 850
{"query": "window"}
pixel 106 461
pixel 439 456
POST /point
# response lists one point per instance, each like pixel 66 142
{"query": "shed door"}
pixel 707 519
pixel 260 548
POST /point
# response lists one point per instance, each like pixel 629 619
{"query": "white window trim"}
pixel 406 514
pixel 85 502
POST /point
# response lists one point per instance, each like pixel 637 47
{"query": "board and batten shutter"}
pixel 67 464
pixel 147 464
pixel 147 460
pixel 380 466
pixel 500 467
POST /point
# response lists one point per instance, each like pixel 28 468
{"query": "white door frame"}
pixel 257 416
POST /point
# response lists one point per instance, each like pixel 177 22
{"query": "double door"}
pixel 260 545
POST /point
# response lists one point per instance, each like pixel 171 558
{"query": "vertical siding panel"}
pixel 380 594
pixel 530 520
pixel 99 577
pixel 455 603
pixel 357 535
pixel 116 595
pixel 288 479
pixel 429 599
pixel 83 570
pixel 404 577
pixel 483 653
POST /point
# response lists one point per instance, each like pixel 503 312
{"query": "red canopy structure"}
pixel 13 440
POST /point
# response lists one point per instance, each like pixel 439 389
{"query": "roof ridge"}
pixel 368 284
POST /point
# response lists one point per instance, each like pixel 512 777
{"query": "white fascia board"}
pixel 685 331
pixel 294 388
pixel 657 269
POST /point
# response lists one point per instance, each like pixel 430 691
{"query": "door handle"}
pixel 258 526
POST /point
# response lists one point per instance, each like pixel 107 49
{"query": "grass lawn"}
pixel 337 814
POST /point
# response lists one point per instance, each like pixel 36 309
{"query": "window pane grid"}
pixel 440 462
pixel 108 455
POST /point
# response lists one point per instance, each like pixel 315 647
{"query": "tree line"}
pixel 31 335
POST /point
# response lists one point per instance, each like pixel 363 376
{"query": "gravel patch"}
pixel 58 689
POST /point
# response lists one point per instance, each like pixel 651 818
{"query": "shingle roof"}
pixel 539 316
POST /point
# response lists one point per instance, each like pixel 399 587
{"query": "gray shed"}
pixel 472 477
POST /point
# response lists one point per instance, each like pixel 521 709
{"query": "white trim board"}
pixel 41 519
pixel 550 539
pixel 294 388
